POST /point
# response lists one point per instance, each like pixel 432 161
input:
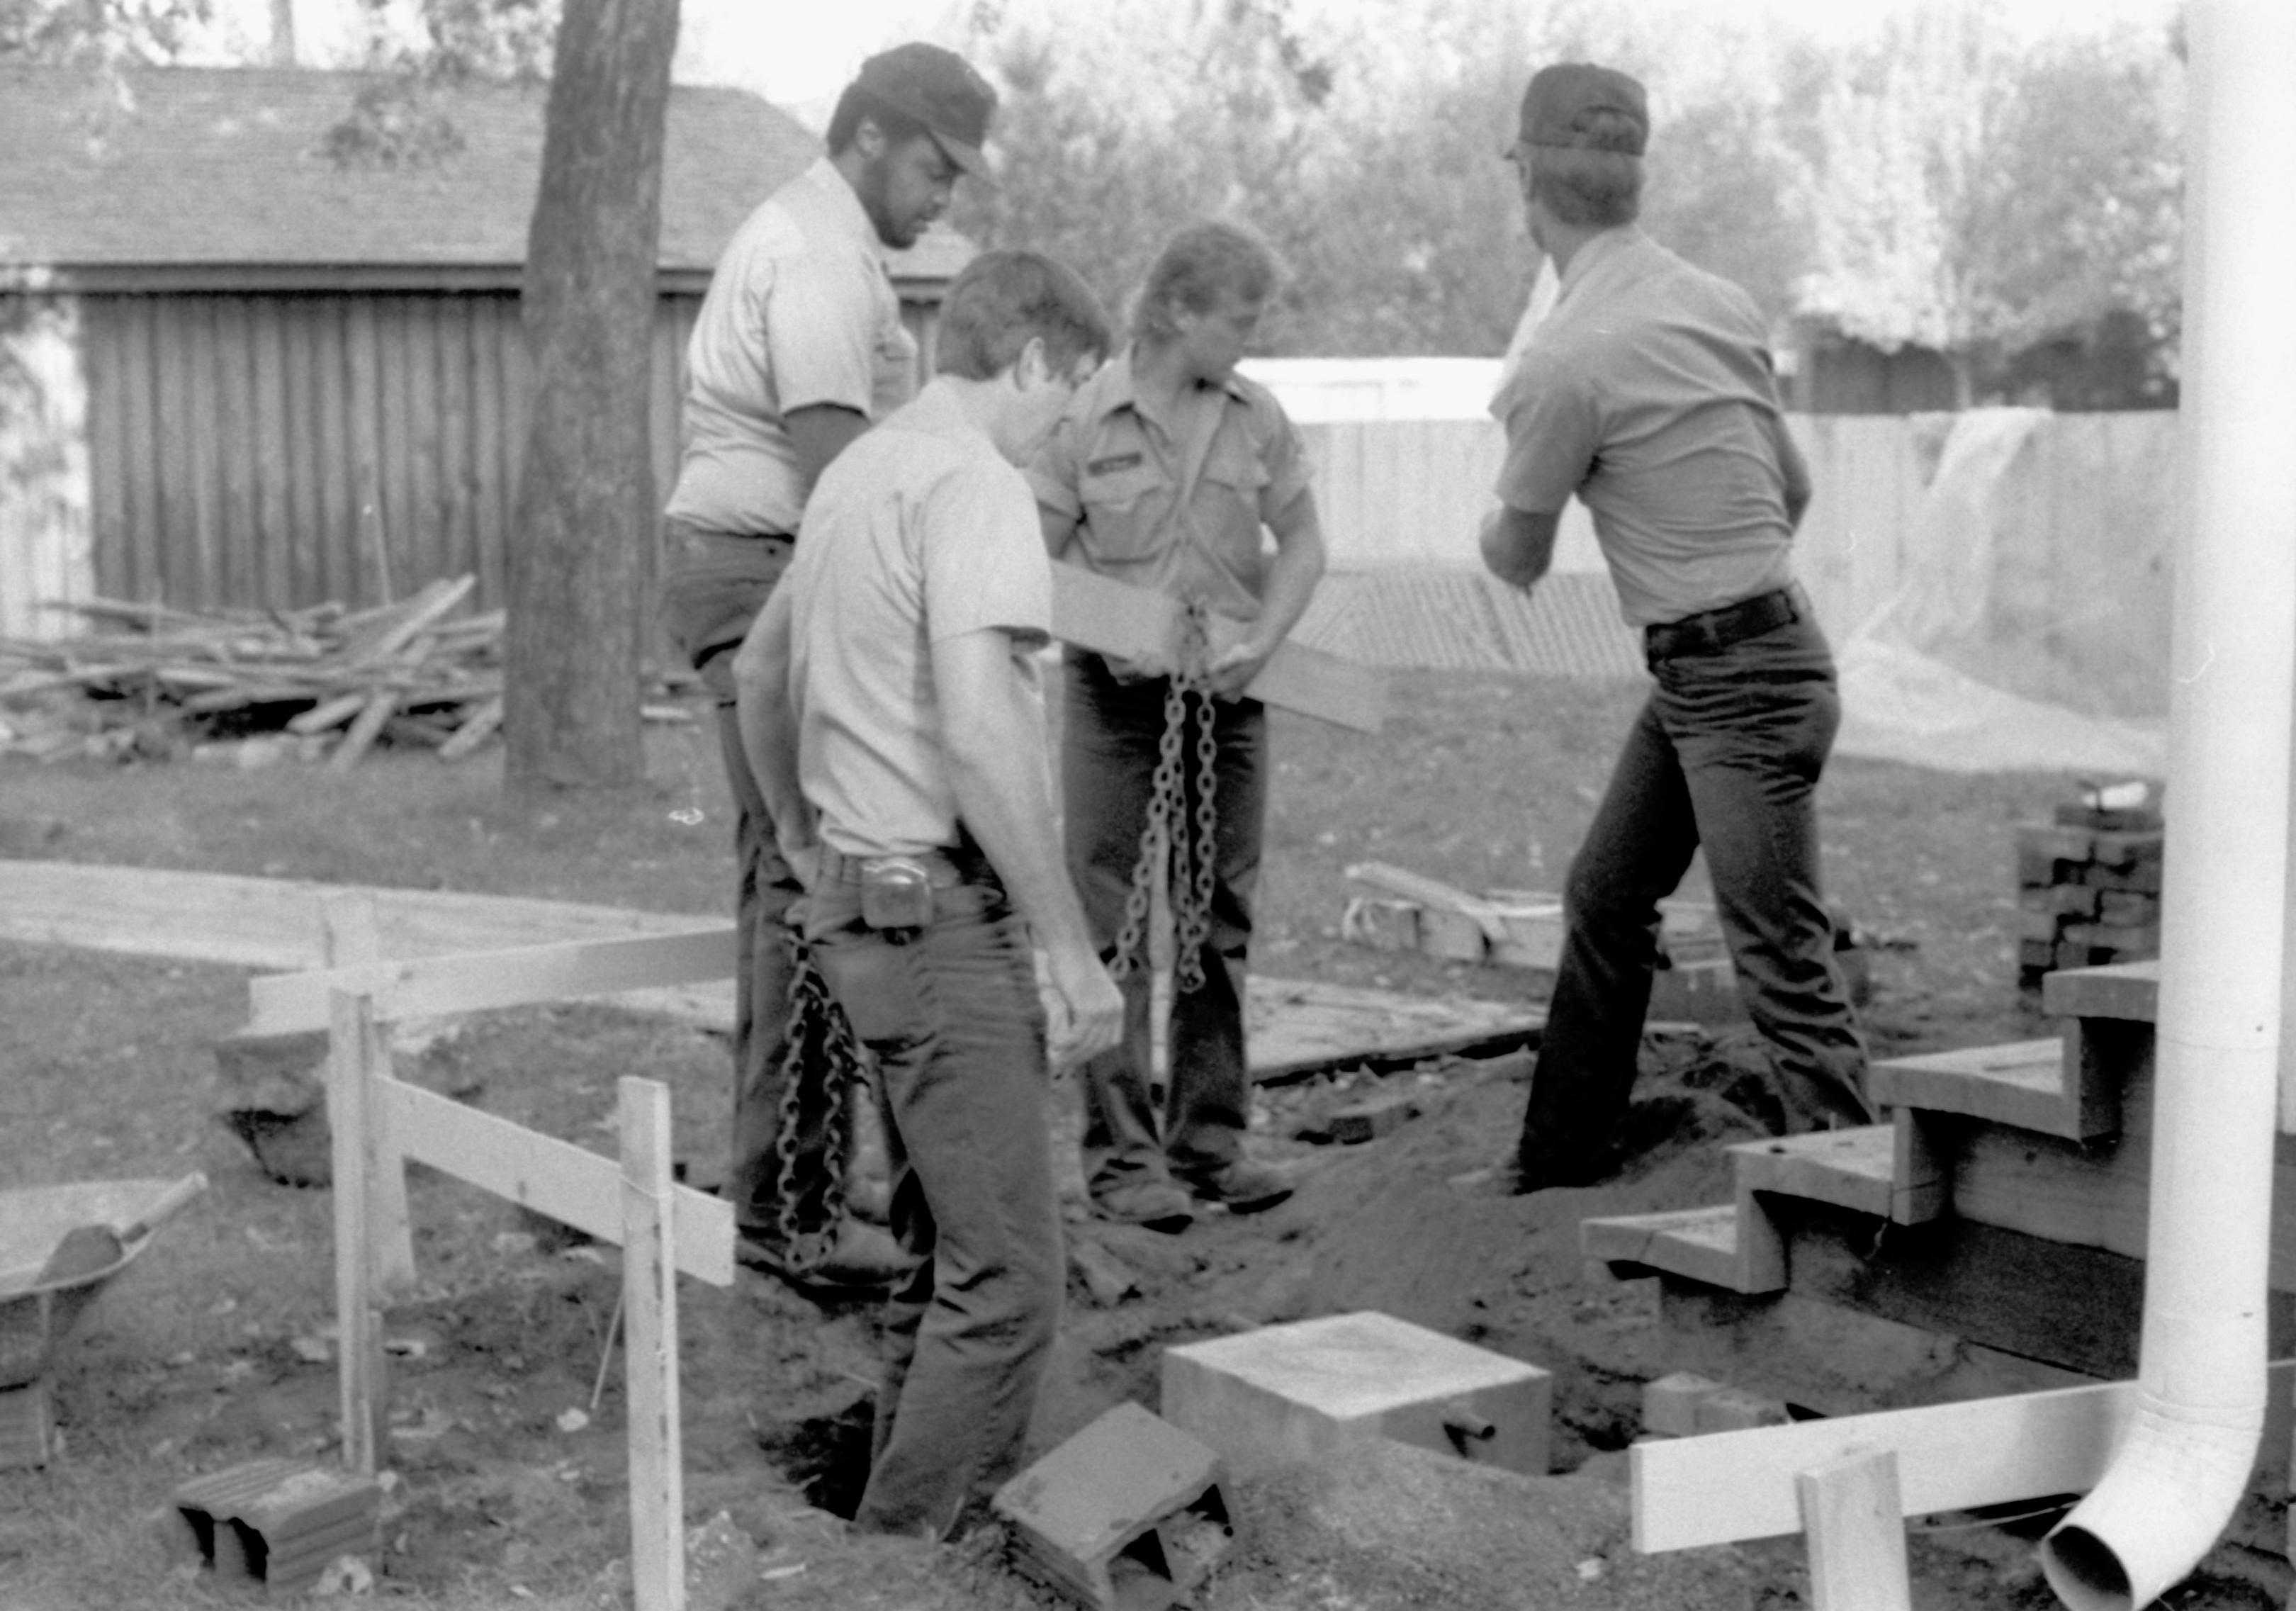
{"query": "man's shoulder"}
pixel 798 219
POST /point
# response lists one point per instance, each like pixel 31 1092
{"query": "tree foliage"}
pixel 1941 184
pixel 99 30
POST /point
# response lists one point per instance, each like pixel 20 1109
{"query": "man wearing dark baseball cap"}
pixel 798 348
pixel 1648 393
pixel 941 91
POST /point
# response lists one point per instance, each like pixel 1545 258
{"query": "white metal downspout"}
pixel 2185 1460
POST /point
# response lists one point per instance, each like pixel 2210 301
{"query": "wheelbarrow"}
pixel 60 1246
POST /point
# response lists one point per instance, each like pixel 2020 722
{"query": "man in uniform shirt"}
pixel 1164 473
pixel 1648 392
pixel 799 346
pixel 890 696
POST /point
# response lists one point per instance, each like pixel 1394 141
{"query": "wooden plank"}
pixel 1736 1485
pixel 1112 618
pixel 569 1183
pixel 650 1350
pixel 1434 893
pixel 356 1049
pixel 1851 1514
pixel 1731 1486
pixel 1835 1361
pixel 111 397
pixel 1921 1180
pixel 270 442
pixel 426 987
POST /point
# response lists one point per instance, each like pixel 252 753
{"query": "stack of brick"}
pixel 2088 888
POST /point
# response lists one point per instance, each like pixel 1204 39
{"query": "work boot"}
pixel 1243 1185
pixel 865 1264
pixel 1146 1200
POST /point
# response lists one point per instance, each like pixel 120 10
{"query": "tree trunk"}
pixel 585 496
pixel 283 33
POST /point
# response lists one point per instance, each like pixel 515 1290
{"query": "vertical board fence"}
pixel 288 448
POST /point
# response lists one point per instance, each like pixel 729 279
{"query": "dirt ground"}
pixel 507 1438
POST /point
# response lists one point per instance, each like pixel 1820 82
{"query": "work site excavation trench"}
pixel 507 1438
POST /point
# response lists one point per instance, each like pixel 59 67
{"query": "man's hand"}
pixel 1232 668
pixel 1086 1011
pixel 802 853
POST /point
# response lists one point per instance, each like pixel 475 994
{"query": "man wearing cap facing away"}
pixel 797 348
pixel 1648 392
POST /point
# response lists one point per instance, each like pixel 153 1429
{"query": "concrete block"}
pixel 1292 1394
pixel 27 1434
pixel 278 1523
pixel 1129 1514
pixel 1670 1404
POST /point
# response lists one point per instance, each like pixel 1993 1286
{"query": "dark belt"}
pixel 1712 629
pixel 943 869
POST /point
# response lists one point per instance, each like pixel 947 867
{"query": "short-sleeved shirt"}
pixel 1648 392
pixel 918 532
pixel 799 312
pixel 1150 518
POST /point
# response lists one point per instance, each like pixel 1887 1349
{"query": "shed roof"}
pixel 218 175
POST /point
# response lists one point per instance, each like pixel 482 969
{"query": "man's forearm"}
pixel 1292 576
pixel 999 770
pixel 761 684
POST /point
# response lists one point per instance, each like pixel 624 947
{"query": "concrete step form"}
pixel 2047 1087
pixel 1701 1244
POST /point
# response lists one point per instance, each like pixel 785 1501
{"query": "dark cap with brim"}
pixel 941 90
pixel 1578 104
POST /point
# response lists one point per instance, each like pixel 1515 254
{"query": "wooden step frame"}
pixel 378 1123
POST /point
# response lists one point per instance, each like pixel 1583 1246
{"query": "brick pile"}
pixel 2088 888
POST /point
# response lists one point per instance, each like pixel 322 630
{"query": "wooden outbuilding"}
pixel 236 369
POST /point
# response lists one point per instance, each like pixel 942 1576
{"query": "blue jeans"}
pixel 951 1014
pixel 1726 753
pixel 1109 739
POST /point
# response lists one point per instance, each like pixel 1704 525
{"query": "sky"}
pixel 799 53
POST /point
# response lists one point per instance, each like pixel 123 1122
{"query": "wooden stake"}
pixel 354 1039
pixel 1851 1517
pixel 353 938
pixel 650 1352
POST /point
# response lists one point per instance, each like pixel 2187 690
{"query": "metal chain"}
pixel 1168 825
pixel 821 1053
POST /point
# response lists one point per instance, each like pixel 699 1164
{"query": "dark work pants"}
pixel 1109 750
pixel 952 1014
pixel 716 586
pixel 1726 754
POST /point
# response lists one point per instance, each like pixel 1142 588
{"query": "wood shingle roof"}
pixel 220 176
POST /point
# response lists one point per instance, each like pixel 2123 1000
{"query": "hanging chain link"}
pixel 1191 841
pixel 821 1054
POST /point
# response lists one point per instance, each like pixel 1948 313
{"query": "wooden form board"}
pixel 426 987
pixel 1113 618
pixel 569 1184
pixel 1729 1486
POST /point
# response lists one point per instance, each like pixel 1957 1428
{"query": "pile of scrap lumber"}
pixel 153 681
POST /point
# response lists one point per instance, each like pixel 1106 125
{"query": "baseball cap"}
pixel 941 90
pixel 1564 104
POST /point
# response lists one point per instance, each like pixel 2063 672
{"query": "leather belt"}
pixel 942 870
pixel 1712 629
